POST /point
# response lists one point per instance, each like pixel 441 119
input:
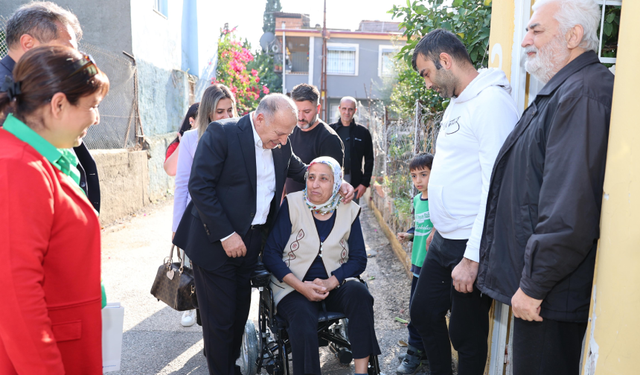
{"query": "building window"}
pixel 342 59
pixel 162 7
pixel 386 59
pixel 608 33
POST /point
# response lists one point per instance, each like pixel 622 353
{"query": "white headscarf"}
pixel 333 202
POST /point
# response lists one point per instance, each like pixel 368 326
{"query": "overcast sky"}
pixel 342 14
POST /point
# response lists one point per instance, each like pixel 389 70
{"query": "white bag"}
pixel 112 325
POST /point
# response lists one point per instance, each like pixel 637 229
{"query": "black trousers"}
pixel 415 339
pixel 549 347
pixel 469 321
pixel 224 299
pixel 353 300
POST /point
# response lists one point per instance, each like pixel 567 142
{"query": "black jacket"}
pixel 223 189
pixel 308 145
pixel 543 209
pixel 89 181
pixel 361 147
pixel 6 68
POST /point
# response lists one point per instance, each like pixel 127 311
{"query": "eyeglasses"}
pixel 85 63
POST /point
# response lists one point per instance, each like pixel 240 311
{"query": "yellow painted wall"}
pixel 613 336
pixel 501 38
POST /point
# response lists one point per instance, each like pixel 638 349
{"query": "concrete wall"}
pixel 130 180
pixel 163 98
pixel 124 181
pixel 612 342
pixel 160 184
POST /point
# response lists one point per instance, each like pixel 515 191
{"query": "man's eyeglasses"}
pixel 85 63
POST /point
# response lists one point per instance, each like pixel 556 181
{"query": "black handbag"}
pixel 174 284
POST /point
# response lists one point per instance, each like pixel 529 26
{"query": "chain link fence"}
pixel 119 120
pixel 4 50
pixel 395 143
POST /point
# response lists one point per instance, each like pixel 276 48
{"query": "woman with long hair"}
pixel 50 320
pixel 217 103
pixel 171 155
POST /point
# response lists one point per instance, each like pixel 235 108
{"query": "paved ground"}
pixel 154 342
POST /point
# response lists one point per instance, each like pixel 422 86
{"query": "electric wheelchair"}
pixel 268 346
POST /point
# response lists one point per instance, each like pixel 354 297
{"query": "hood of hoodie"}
pixel 486 78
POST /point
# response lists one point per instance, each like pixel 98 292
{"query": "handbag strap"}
pixel 180 255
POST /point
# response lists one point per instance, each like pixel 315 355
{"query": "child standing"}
pixel 421 234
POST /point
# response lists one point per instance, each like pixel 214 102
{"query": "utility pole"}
pixel 284 59
pixel 323 74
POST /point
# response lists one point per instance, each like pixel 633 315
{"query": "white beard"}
pixel 547 60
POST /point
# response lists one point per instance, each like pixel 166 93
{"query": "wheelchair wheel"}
pixel 249 350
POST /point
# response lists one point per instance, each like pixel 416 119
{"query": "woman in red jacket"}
pixel 50 319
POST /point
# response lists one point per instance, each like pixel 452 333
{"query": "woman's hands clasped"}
pixel 315 290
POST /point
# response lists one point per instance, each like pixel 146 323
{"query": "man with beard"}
pixel 312 137
pixel 543 209
pixel 480 116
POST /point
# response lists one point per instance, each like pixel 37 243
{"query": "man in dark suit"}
pixel 46 23
pixel 237 178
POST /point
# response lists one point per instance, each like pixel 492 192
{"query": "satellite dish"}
pixel 265 39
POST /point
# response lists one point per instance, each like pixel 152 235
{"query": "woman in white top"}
pixel 218 103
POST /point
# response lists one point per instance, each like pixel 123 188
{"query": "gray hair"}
pixel 39 19
pixel 273 103
pixel 585 13
pixel 349 98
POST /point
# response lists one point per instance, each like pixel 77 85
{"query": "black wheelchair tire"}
pixel 249 349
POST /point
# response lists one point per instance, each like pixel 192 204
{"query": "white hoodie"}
pixel 473 129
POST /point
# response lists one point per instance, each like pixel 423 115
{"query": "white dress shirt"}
pixel 181 197
pixel 265 178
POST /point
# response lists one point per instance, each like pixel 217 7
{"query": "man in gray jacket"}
pixel 543 209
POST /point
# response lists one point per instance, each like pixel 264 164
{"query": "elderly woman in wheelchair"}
pixel 315 253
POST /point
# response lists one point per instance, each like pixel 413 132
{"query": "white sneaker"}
pixel 188 318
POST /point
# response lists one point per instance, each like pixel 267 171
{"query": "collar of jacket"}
pixel 8 63
pixel 352 125
pixel 587 58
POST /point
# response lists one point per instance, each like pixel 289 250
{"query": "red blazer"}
pixel 50 317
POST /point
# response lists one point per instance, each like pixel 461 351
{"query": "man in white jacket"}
pixel 475 124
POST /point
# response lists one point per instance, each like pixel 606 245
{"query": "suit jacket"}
pixel 50 319
pixel 6 68
pixel 89 181
pixel 223 189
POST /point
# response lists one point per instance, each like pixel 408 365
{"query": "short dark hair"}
pixel 39 19
pixel 304 92
pixel 421 161
pixel 438 41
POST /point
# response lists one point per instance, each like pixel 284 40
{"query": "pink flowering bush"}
pixel 232 71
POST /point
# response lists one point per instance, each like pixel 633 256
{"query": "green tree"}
pixel 269 21
pixel 469 19
pixel 263 63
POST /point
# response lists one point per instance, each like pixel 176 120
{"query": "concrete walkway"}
pixel 154 342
